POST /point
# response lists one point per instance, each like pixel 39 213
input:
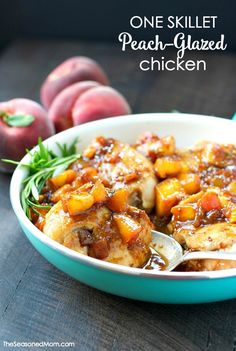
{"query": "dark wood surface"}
pixel 40 303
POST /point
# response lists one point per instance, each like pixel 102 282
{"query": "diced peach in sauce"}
pixel 232 187
pixel 131 177
pixel 90 152
pixel 119 200
pixel 190 182
pixel 224 201
pixel 166 166
pixel 213 154
pixel 128 228
pixel 77 183
pixel 210 201
pixel 99 192
pixel 65 177
pixel 88 174
pixel 77 203
pixel 168 145
pixel 168 193
pixel 233 216
pixel 192 199
pixel 85 188
pixel 59 193
pixel 183 213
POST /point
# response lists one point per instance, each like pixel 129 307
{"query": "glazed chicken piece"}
pixel 153 147
pixel 212 237
pixel 219 236
pixel 120 165
pixel 206 221
pixel 214 154
pixel 207 265
pixel 193 191
pixel 218 164
pixel 208 214
pixel 93 223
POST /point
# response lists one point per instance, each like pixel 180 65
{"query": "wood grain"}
pixel 40 303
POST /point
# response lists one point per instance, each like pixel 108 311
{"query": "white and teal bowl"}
pixel 135 283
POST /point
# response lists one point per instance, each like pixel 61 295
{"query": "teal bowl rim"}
pixel 90 261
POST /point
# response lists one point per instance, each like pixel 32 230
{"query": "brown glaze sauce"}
pixel 156 261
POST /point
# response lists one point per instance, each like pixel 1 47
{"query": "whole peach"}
pixel 99 102
pixel 60 111
pixel 71 71
pixel 14 140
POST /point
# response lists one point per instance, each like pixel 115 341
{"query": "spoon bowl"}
pixel 173 252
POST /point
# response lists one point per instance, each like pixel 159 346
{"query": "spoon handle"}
pixel 218 255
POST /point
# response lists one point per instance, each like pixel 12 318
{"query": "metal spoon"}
pixel 170 249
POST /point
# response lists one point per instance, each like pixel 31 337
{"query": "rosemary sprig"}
pixel 43 165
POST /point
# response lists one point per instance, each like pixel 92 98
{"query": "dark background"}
pixel 103 20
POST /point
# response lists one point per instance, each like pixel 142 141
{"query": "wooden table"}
pixel 40 303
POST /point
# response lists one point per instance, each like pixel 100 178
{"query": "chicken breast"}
pixel 153 147
pixel 207 265
pixel 207 207
pixel 218 236
pixel 206 222
pixel 224 238
pixel 120 165
pixel 95 233
pixel 212 237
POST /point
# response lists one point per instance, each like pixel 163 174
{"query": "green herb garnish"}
pixel 44 164
pixel 17 120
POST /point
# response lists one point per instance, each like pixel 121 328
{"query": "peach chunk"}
pixel 61 179
pixel 77 203
pixel 233 216
pixel 60 111
pixel 73 70
pixel 60 193
pixel 119 200
pixel 183 213
pixel 128 228
pixel 168 193
pixel 17 137
pixel 99 102
pixel 190 182
pixel 232 187
pixel 99 192
pixel 166 166
pixel 210 201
